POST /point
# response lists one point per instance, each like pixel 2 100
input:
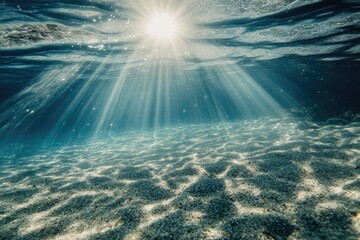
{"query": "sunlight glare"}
pixel 162 26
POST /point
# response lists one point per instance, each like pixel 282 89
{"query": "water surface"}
pixel 244 125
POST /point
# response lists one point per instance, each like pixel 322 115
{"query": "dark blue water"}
pixel 79 69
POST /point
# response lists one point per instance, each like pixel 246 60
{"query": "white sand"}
pixel 264 179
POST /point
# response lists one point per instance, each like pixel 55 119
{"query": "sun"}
pixel 162 26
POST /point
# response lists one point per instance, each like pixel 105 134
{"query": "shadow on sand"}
pixel 272 182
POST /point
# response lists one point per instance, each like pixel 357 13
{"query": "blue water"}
pixel 80 69
pixel 244 124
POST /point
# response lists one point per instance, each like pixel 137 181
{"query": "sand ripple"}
pixel 263 179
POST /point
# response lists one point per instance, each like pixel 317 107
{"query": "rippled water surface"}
pixel 225 119
pixel 79 68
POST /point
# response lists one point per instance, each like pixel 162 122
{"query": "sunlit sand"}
pixel 262 179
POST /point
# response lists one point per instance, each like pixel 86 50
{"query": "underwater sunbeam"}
pixel 169 119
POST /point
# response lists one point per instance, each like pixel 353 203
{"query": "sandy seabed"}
pixel 264 179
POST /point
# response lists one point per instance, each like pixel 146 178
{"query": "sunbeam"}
pixel 155 87
pixel 168 119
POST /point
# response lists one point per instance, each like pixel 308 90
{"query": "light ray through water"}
pixel 179 119
pixel 155 88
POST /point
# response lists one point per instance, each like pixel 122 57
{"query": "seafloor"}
pixel 263 179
